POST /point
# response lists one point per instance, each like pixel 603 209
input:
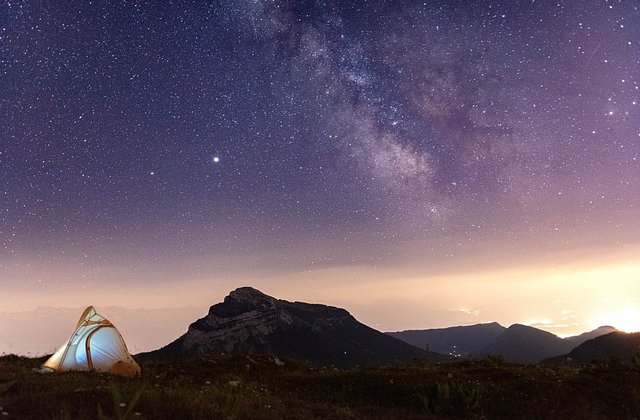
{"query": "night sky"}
pixel 314 146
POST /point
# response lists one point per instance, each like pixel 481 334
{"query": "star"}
pixel 283 130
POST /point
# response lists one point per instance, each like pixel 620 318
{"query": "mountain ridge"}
pixel 617 344
pixel 525 344
pixel 455 341
pixel 249 322
pixel 576 340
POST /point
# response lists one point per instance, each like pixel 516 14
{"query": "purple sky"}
pixel 439 156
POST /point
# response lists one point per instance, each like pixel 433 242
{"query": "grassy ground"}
pixel 257 387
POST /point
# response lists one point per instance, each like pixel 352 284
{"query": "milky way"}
pixel 182 136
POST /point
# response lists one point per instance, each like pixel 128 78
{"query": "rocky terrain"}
pixel 250 322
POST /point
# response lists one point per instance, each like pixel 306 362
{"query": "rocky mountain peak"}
pixel 248 321
pixel 243 301
pixel 247 294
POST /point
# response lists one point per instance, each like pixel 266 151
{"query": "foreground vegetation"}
pixel 263 387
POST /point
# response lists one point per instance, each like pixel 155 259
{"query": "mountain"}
pixel 454 341
pixel 618 344
pixel 576 340
pixel 524 344
pixel 248 321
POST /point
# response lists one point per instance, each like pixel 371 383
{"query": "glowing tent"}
pixel 95 345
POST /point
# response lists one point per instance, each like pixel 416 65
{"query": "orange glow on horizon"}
pixel 578 295
pixel 626 319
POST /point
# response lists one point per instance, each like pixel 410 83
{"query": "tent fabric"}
pixel 95 345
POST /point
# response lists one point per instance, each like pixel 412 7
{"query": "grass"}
pixel 243 387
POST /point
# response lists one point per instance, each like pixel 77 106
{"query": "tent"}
pixel 95 345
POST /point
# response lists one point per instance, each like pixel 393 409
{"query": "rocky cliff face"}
pixel 247 315
pixel 248 321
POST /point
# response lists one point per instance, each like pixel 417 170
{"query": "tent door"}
pixel 88 347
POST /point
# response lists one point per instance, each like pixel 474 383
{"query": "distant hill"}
pixel 576 340
pixel 454 341
pixel 248 321
pixel 619 344
pixel 524 344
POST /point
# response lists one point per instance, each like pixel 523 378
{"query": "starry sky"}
pixel 422 163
